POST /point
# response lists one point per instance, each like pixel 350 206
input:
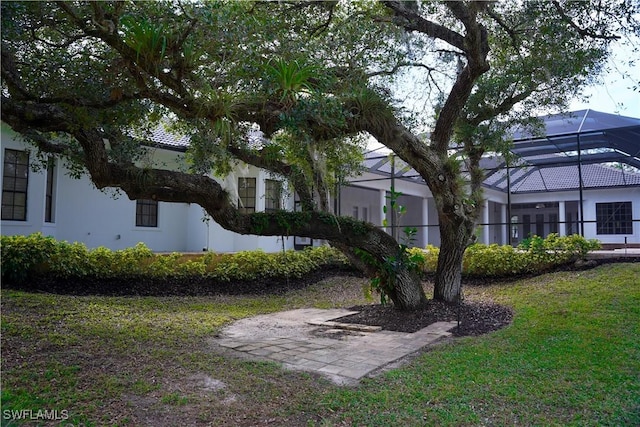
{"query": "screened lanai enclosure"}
pixel 582 176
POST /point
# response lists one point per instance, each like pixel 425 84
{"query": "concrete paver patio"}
pixel 310 340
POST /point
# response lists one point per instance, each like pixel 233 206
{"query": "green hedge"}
pixel 531 256
pixel 27 256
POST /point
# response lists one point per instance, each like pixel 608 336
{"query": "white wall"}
pixel 96 218
pixel 590 198
pixel 360 197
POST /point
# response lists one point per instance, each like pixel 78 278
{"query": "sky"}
pixel 614 96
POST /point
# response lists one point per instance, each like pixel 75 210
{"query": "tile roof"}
pixel 548 163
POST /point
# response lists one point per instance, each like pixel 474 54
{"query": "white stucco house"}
pixel 541 194
pixel 52 202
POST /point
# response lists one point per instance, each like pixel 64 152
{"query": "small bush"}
pixel 429 254
pixel 494 260
pixel 22 255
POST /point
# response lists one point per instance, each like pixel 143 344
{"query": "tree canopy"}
pixel 294 88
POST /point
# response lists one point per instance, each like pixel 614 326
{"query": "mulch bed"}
pixel 173 286
pixel 475 318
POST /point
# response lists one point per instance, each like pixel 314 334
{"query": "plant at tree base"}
pixel 387 270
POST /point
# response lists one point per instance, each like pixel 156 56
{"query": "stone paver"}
pixel 309 340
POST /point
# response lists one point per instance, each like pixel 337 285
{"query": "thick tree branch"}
pixel 410 20
pixel 476 48
pixel 179 187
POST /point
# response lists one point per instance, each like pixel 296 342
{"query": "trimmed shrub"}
pixel 533 255
pixel 429 254
pixel 31 256
pixel 23 255
pixel 494 260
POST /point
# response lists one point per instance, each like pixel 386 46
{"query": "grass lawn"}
pixel 571 357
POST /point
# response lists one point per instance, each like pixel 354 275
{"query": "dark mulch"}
pixel 173 286
pixel 475 318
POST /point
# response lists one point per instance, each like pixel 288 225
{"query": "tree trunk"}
pixel 407 293
pixel 455 233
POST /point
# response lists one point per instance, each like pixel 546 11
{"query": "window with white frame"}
pixel 247 195
pixel 49 202
pixel 614 218
pixel 15 179
pixel 273 195
pixel 146 213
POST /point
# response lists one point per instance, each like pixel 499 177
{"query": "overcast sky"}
pixel 616 95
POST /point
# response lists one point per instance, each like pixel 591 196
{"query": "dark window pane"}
pixel 614 218
pixel 247 195
pixel 8 183
pixel 273 195
pixel 15 179
pixel 146 213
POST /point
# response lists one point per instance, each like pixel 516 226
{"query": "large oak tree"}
pixel 83 80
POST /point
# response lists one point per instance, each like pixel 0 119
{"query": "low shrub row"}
pixel 26 257
pixel 533 255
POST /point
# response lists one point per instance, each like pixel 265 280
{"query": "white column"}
pixel 505 222
pixel 260 192
pixel 485 220
pixel 383 203
pixel 562 227
pixel 425 221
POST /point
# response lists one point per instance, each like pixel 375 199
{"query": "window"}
pixel 15 178
pixel 614 218
pixel 247 195
pixel 365 214
pixel 146 213
pixel 540 225
pixel 354 212
pixel 571 227
pixel 526 226
pixel 273 194
pixel 553 223
pixel 49 194
pixel 514 226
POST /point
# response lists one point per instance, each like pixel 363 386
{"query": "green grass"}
pixel 571 357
